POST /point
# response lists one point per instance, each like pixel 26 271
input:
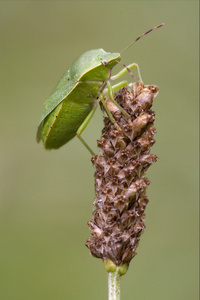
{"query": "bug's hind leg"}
pixel 84 125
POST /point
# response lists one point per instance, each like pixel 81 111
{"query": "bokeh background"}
pixel 46 197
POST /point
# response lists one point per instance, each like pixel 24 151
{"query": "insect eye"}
pixel 104 62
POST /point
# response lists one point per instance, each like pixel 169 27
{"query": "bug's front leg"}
pixel 84 125
pixel 110 93
pixel 108 112
pixel 127 70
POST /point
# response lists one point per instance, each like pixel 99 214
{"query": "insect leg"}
pixel 127 70
pixel 84 125
pixel 119 85
pixel 110 93
pixel 108 112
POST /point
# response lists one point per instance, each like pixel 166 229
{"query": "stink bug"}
pixel 72 103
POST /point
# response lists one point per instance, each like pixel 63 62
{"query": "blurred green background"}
pixel 46 197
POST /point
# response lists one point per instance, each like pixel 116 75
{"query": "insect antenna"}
pixel 139 37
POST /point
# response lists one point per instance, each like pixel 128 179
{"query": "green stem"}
pixel 114 285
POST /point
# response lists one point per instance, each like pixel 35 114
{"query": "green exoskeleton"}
pixel 72 103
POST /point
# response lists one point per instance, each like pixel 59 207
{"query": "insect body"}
pixel 74 97
pixel 72 103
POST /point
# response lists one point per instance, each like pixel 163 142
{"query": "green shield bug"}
pixel 72 103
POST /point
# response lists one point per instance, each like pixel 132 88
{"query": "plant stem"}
pixel 114 285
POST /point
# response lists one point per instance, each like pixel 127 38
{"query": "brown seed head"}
pixel 120 185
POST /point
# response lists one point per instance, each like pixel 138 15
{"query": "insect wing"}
pixel 54 99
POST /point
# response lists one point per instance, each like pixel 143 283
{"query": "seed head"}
pixel 120 185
